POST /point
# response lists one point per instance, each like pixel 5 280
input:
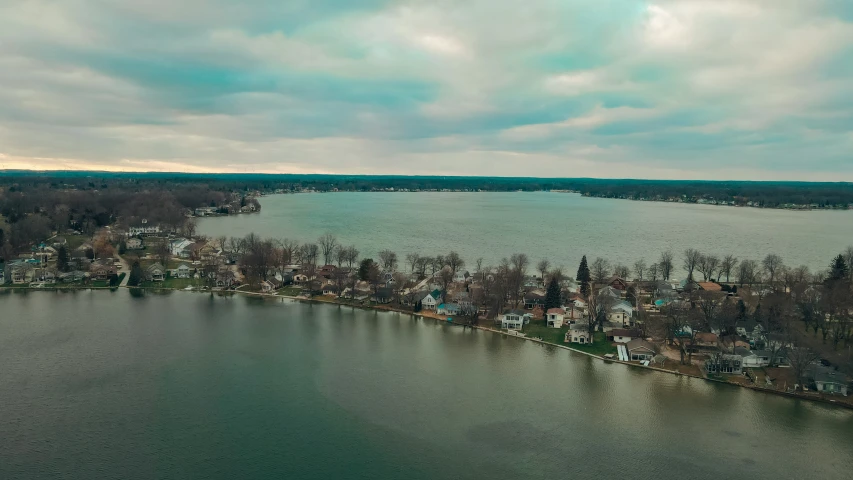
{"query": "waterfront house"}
pixel 640 350
pixel 514 319
pixel 724 363
pixel 555 317
pixel 463 300
pixel 827 380
pixel 225 279
pixel 753 358
pixel 431 301
pixel 267 286
pixel 102 269
pixel 578 333
pixel 622 335
pixel 448 309
pixel 183 271
pixel 20 272
pixel 133 243
pixel 155 273
pixel 330 289
pixel 383 295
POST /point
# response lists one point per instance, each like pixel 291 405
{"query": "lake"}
pixel 558 226
pixel 99 384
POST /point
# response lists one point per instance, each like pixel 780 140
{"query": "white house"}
pixel 183 271
pixel 144 228
pixel 134 243
pixel 578 333
pixel 514 319
pixel 621 312
pixel 621 335
pixel 431 301
pixel 461 276
pixel 178 246
pixel 555 317
pixel 753 358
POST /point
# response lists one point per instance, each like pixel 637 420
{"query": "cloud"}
pixel 756 89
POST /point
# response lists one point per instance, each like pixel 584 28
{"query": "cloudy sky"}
pixel 717 89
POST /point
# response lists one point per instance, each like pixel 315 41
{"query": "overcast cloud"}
pixel 717 89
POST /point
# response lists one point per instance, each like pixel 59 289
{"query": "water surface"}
pixel 190 386
pixel 558 226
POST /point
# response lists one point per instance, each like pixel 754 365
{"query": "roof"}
pixel 710 286
pixel 639 344
pixel 557 310
pixel 436 294
pixel 706 337
pixel 154 266
pixel 828 375
pixel 624 332
pixel 515 312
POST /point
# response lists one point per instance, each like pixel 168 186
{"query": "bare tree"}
pixel 600 269
pixel 340 255
pixel 681 329
pixel 542 267
pixel 848 259
pixel 708 264
pixel 708 305
pixel 746 272
pixel 288 250
pixel 653 272
pixel 727 266
pixel 665 265
pixel 412 259
pixel 691 260
pixel 621 271
pixel 327 244
pixel 389 260
pixel 772 265
pixel 801 358
pixel 445 276
pixel 640 269
pixel 454 261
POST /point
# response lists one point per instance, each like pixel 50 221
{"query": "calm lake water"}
pixel 558 226
pixel 190 386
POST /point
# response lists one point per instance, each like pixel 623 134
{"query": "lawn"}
pixel 176 283
pixel 537 328
pixel 290 291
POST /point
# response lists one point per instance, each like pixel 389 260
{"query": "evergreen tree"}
pixel 552 295
pixel 839 269
pixel 62 259
pixel 583 272
pixel 136 275
pixel 364 269
pixel 122 247
pixel 584 277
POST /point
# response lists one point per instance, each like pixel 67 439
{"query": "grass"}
pixel 290 291
pixel 175 283
pixel 537 328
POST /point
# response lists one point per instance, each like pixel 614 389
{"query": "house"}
pixel 133 243
pixel 327 272
pixel 102 269
pixel 431 301
pixel 572 313
pixel 622 335
pixel 143 228
pixel 20 272
pixel 555 317
pixel 461 276
pixel 617 283
pixel 463 299
pixel 300 278
pixel 383 295
pixel 709 286
pixel 180 247
pixel 534 299
pixel 45 276
pixel 578 333
pixel 640 350
pixel 514 319
pixel 413 298
pixel 725 363
pixel 183 271
pixel 448 309
pixel 621 312
pixel 155 273
pixel 225 279
pixel 753 358
pixel 609 292
pixel 827 380
pixel 267 286
pixel 704 341
pixel 73 276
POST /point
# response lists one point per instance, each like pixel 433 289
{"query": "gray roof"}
pixel 828 375
pixel 639 343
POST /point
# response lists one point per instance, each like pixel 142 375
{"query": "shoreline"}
pixel 581 194
pixel 437 318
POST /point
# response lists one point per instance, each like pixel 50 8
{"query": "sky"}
pixel 716 89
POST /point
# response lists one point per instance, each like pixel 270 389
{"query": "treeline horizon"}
pixel 739 192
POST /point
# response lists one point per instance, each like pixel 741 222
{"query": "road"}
pixel 124 268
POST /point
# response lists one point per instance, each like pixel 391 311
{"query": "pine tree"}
pixel 136 275
pixel 552 295
pixel 839 269
pixel 62 259
pixel 583 271
pixel 584 277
